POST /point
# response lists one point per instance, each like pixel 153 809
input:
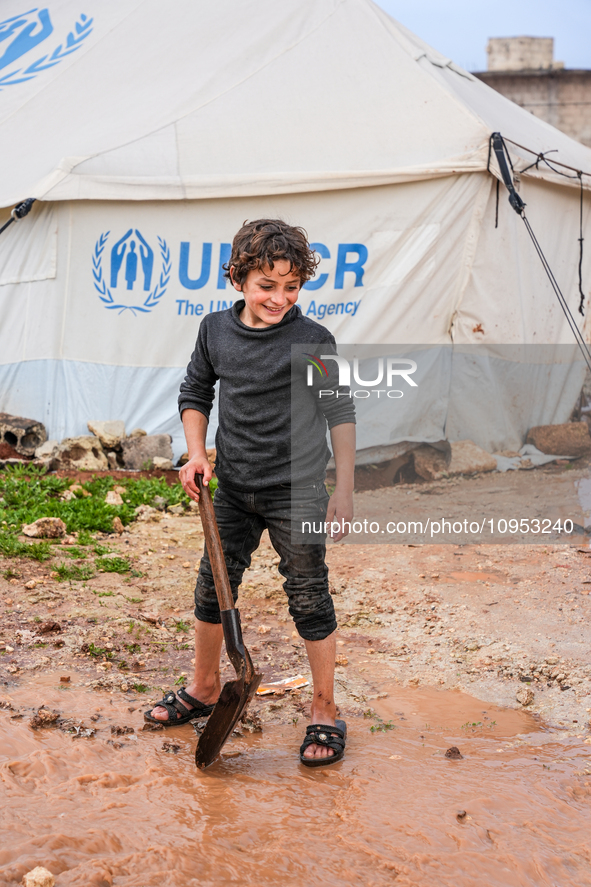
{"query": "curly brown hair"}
pixel 266 241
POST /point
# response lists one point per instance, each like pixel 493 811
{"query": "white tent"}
pixel 157 129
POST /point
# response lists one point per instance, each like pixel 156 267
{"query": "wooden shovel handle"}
pixel 214 546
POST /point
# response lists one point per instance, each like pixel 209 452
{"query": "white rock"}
pixel 525 696
pixel 110 433
pixel 39 877
pixel 82 453
pixel 46 449
pixel 45 528
pixel 162 462
pixel 112 460
pixel 147 513
pixel 468 458
pixel 113 498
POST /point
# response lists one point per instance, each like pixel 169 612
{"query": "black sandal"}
pixel 177 712
pixel 330 737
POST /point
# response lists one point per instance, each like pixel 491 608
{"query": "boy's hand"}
pixel 195 465
pixel 340 510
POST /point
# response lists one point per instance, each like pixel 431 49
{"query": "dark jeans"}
pixel 241 519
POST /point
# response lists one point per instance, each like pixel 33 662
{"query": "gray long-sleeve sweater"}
pixel 272 424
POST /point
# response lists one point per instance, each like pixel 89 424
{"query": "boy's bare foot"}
pixel 205 695
pixel 321 715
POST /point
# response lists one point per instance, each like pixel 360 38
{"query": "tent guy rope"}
pixel 497 144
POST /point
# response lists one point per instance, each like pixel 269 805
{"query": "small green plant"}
pixel 96 651
pixel 76 552
pixel 133 600
pixel 11 574
pixel 182 626
pixel 137 574
pixel 73 573
pixel 101 550
pixel 130 627
pixel 104 593
pixel 37 619
pixel 40 645
pixel 133 648
pixel 113 564
pixel 382 727
pixel 471 725
pixel 85 537
pixel 140 688
pixel 180 681
pixel 10 546
pixel 23 470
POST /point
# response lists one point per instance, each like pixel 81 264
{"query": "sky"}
pixel 460 28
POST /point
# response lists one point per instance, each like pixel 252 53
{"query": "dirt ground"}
pixel 506 623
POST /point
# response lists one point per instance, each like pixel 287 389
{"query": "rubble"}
pixel 39 877
pixel 44 718
pixel 45 528
pixel 162 463
pixel 569 439
pixel 113 498
pixel 465 457
pixel 47 450
pixel 525 696
pixel 138 452
pixel 25 435
pixel 80 453
pixel 110 433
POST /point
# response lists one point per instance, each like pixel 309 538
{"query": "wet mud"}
pixel 482 648
pixel 129 808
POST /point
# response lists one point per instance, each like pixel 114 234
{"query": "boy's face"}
pixel 268 293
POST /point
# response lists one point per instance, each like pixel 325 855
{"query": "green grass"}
pixel 133 648
pixel 113 564
pixel 182 626
pixel 73 573
pixel 11 574
pixel 10 546
pixel 26 495
pixel 74 551
pixel 382 727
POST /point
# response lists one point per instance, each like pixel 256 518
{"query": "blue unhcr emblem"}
pixel 132 261
pixel 22 33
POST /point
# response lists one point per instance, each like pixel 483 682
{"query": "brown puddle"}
pixel 134 815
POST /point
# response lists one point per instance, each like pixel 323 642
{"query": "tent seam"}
pixel 225 92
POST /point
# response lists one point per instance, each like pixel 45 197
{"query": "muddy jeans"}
pixel 241 519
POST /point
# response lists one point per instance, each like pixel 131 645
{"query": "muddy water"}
pixel 96 814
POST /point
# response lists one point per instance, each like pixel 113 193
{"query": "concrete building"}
pixel 523 69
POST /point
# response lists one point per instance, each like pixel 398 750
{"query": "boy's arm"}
pixel 340 504
pixel 195 426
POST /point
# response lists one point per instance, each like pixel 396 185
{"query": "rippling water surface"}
pixel 135 815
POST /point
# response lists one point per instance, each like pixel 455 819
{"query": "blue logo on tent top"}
pixel 125 283
pixel 21 34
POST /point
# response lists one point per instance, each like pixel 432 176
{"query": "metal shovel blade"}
pixel 234 697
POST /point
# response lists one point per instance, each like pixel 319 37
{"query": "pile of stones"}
pixel 108 447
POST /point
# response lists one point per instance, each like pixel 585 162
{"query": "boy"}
pixel 248 348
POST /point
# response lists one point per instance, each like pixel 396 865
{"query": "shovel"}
pixel 235 695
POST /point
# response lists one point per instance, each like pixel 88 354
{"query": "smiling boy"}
pixel 248 349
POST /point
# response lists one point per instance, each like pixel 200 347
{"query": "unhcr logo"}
pixel 127 284
pixel 20 34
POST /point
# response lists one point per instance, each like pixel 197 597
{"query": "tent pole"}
pixel 19 212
